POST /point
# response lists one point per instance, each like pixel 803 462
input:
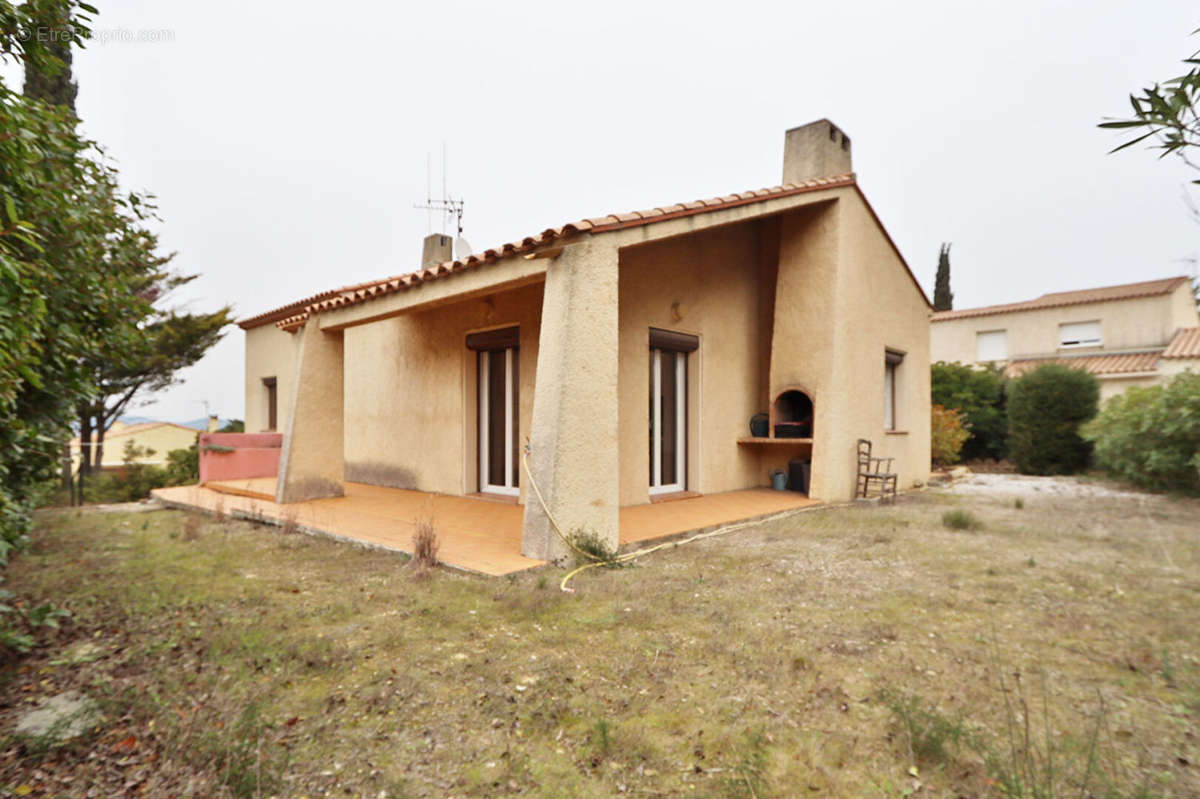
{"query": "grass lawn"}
pixel 844 652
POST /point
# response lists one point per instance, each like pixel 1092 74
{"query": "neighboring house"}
pixel 628 352
pixel 161 437
pixel 1136 334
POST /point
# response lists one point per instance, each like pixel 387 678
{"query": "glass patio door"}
pixel 668 421
pixel 499 467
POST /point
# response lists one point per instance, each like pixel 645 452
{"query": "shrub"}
pixel 183 465
pixel 1151 436
pixel 591 548
pixel 1046 409
pixel 133 482
pixel 948 436
pixel 977 394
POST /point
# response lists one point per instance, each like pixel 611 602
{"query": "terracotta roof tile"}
pixel 1125 291
pixel 292 316
pixel 1120 363
pixel 1184 344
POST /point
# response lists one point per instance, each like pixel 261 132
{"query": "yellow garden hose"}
pixel 630 556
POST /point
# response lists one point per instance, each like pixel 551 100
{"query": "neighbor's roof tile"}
pixel 1184 344
pixel 1125 291
pixel 1121 363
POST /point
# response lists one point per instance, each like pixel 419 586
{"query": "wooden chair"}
pixel 876 471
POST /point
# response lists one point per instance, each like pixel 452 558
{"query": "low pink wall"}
pixel 248 455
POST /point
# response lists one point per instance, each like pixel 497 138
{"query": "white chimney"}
pixel 436 249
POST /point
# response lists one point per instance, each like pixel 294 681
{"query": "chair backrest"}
pixel 864 454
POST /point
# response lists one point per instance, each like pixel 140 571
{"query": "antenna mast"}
pixel 447 205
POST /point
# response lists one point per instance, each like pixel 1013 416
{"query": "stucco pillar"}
pixel 573 434
pixel 803 345
pixel 312 464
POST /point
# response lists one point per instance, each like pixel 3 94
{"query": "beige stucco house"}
pixel 155 439
pixel 1135 334
pixel 627 353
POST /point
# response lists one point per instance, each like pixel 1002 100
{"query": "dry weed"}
pixel 425 549
pixel 191 526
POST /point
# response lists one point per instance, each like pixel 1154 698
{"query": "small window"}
pixel 272 402
pixel 991 345
pixel 1079 334
pixel 891 370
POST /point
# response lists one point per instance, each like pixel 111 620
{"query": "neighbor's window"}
pixel 272 402
pixel 891 371
pixel 1079 334
pixel 991 345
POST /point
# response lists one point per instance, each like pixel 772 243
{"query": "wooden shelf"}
pixel 754 440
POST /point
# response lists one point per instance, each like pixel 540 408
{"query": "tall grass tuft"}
pixel 932 736
pixel 959 519
pixel 425 549
pixel 1033 766
pixel 191 526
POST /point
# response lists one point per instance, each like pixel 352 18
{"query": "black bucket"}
pixel 760 425
pixel 799 471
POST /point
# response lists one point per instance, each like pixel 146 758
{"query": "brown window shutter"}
pixel 672 341
pixel 500 339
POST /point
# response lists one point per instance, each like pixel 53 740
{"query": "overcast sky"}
pixel 287 141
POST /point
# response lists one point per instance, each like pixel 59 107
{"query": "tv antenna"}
pixel 448 207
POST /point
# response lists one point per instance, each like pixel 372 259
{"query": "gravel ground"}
pixel 1020 485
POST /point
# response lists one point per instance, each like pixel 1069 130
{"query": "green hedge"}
pixel 1046 409
pixel 1151 436
pixel 978 395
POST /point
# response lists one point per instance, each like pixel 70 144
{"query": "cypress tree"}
pixel 943 299
pixel 51 82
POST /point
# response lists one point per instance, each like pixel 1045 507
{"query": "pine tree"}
pixel 943 299
pixel 162 341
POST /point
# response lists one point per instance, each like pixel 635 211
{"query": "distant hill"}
pixel 136 419
pixel 195 424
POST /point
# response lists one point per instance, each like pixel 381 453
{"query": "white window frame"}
pixel 510 488
pixel 680 484
pixel 891 376
pixel 978 350
pixel 1077 337
pixel 889 396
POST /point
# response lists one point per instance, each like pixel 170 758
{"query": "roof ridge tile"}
pixel 293 315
